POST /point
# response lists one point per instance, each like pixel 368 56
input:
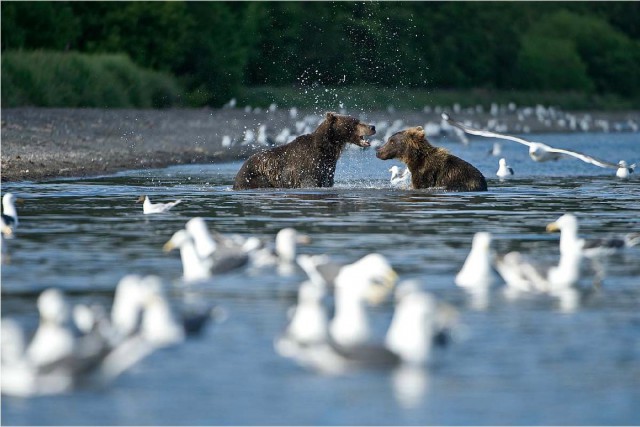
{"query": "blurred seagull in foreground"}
pixel 417 324
pixel 476 272
pixel 151 208
pixel 567 224
pixel 537 150
pixel 504 171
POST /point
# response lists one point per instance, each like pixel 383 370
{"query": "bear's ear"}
pixel 331 115
pixel 418 132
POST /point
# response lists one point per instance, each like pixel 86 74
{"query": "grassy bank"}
pixel 70 79
pixel 368 98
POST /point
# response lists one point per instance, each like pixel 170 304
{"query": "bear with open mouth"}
pixel 307 161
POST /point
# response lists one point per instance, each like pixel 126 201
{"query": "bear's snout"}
pixel 380 153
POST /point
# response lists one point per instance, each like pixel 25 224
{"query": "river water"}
pixel 524 361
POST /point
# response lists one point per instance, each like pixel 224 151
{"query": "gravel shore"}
pixel 41 143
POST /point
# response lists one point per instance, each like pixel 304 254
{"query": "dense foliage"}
pixel 71 79
pixel 214 48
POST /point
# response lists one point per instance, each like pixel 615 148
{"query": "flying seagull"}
pixel 540 152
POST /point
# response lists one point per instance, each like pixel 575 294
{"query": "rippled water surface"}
pixel 514 362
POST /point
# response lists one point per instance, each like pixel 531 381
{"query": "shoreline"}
pixel 47 143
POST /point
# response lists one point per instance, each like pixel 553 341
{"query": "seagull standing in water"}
pixel 400 180
pixel 9 213
pixel 624 170
pixel 504 171
pixel 151 208
pixel 538 151
pixel 567 224
pixel 476 272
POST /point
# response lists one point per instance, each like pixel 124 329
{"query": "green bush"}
pixel 610 57
pixel 546 63
pixel 71 79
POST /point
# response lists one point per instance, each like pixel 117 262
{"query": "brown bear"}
pixel 431 166
pixel 307 161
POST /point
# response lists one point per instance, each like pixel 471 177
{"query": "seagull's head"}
pixel 481 240
pixel 9 199
pixel 287 240
pixel 53 307
pixel 371 278
pixel 565 222
pixel 622 164
pixel 502 162
pixel 179 238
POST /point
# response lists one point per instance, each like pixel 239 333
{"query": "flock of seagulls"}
pixel 329 330
pixel 522 274
pixel 541 152
pixel 86 346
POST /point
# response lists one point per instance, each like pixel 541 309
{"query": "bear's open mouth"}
pixel 363 142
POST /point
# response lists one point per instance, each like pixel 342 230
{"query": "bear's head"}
pixel 402 145
pixel 343 128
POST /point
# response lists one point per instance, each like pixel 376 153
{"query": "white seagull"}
pixel 476 272
pixel 624 170
pixel 400 180
pixel 331 347
pixel 9 213
pixel 538 151
pixel 151 208
pixel 504 170
pixel 567 224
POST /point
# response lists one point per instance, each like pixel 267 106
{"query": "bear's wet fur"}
pixel 307 161
pixel 431 167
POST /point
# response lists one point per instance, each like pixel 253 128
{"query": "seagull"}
pixel 57 359
pixel 504 171
pixel 225 258
pixel 520 273
pixel 331 347
pixel 369 279
pixel 624 170
pixel 151 208
pixel 567 224
pixel 417 324
pixel 9 213
pixel 400 180
pixel 476 272
pixel 283 253
pixel 538 151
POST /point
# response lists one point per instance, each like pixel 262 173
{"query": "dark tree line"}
pixel 214 48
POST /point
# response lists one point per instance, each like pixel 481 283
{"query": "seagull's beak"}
pixel 140 199
pixel 169 246
pixel 7 231
pixel 553 227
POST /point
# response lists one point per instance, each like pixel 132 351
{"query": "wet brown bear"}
pixel 307 161
pixel 431 166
